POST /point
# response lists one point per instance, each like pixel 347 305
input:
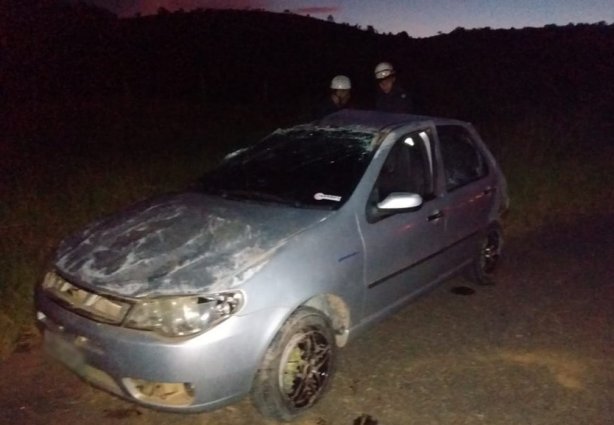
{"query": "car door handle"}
pixel 435 215
pixel 489 190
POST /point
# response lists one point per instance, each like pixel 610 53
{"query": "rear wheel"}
pixel 488 256
pixel 298 366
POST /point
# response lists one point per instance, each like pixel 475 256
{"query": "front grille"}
pixel 98 307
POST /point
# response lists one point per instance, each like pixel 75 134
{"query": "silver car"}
pixel 253 279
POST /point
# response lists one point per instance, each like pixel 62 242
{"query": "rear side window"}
pixel 462 160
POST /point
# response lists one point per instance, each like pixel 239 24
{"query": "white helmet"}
pixel 384 70
pixel 340 82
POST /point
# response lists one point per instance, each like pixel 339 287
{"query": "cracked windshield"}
pixel 309 167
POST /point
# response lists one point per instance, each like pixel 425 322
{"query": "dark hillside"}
pixel 257 57
pixel 279 64
pixel 512 70
pixel 215 55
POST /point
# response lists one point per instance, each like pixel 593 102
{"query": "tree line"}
pixel 66 52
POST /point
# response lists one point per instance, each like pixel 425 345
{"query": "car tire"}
pixel 487 258
pixel 298 366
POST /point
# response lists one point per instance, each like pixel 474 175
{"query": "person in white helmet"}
pixel 391 97
pixel 339 97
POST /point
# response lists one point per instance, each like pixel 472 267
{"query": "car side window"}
pixel 407 168
pixel 462 160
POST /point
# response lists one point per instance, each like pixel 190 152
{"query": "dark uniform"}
pixel 326 107
pixel 397 101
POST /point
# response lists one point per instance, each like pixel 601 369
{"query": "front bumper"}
pixel 200 373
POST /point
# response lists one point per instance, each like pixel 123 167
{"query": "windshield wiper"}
pixel 256 195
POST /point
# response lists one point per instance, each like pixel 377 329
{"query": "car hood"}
pixel 179 244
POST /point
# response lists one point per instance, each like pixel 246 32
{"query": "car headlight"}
pixel 181 316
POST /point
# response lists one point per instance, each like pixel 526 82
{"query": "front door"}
pixel 402 247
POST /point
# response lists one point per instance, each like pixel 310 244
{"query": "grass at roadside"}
pixel 63 167
pixel 558 166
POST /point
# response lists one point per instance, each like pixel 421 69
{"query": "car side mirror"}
pixel 396 202
pixel 400 201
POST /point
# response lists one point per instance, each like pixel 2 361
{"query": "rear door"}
pixel 469 189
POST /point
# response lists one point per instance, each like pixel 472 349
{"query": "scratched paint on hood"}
pixel 179 244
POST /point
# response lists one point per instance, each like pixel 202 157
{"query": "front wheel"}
pixel 298 366
pixel 488 256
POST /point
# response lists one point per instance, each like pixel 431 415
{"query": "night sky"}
pixel 420 18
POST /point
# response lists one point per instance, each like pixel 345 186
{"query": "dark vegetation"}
pixel 96 111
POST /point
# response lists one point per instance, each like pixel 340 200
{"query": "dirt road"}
pixel 537 348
